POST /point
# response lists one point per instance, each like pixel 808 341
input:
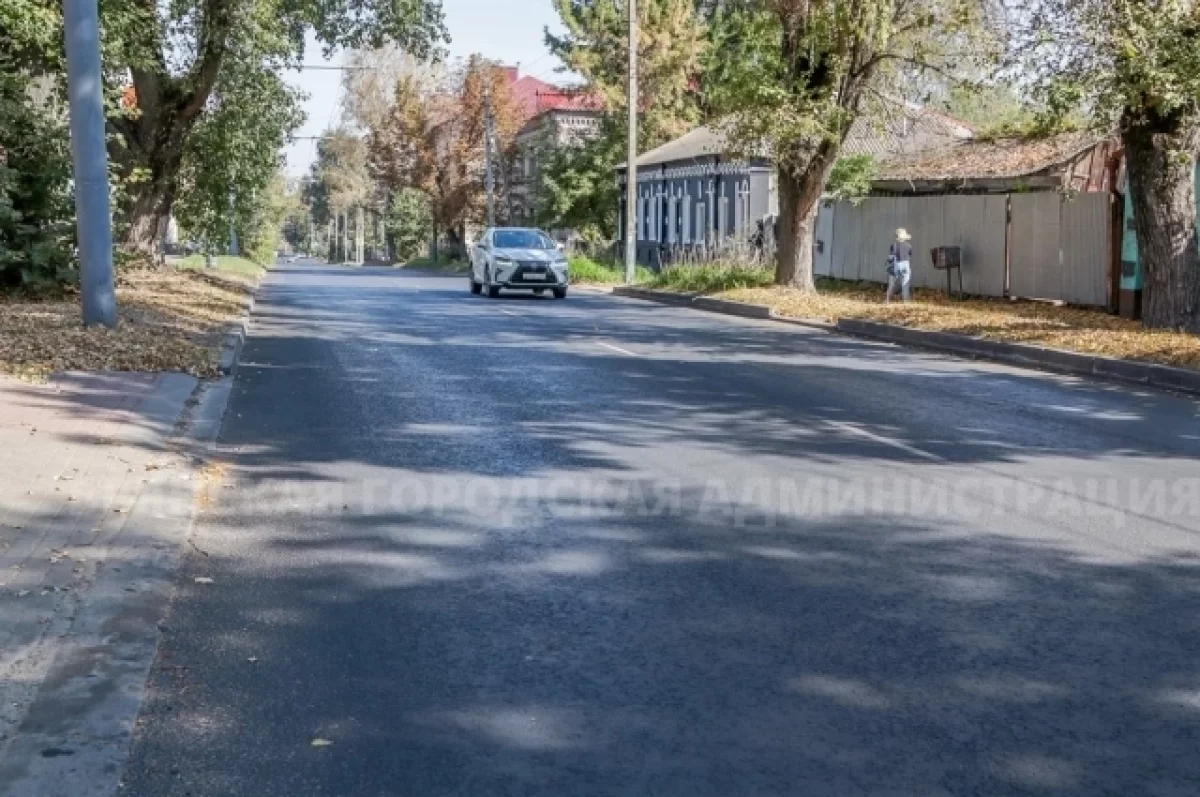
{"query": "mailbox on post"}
pixel 949 259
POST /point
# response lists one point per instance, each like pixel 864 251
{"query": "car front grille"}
pixel 524 268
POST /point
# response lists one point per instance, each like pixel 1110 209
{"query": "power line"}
pixel 335 68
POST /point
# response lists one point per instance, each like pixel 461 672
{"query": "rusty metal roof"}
pixel 908 129
pixel 1003 158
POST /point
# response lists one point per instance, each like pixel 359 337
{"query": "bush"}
pixel 37 214
pixel 410 223
pixel 713 277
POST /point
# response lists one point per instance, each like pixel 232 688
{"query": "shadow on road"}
pixel 636 630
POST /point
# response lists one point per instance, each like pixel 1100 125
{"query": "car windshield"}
pixel 521 239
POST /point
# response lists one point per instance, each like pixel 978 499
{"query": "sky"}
pixel 508 31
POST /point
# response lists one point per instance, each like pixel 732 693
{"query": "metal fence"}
pixel 1038 245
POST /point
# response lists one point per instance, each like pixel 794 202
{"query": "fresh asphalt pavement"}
pixel 520 546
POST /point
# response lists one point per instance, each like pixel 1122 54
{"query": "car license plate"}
pixel 533 276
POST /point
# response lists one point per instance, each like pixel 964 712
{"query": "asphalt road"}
pixel 463 546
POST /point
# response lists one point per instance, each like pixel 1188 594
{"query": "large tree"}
pixel 1135 64
pixel 176 54
pixel 233 155
pixel 414 149
pixel 793 75
pixel 576 189
pixel 671 46
pixel 432 140
pixel 340 182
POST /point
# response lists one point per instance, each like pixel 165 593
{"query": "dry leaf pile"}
pixel 168 321
pixel 1070 328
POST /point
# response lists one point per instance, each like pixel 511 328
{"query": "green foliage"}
pixel 851 178
pixel 1130 59
pixel 712 277
pixel 989 107
pixel 410 223
pixel 596 272
pixel 234 152
pixel 577 187
pixel 671 49
pixel 1132 66
pixel 264 229
pixel 794 78
pixel 31 35
pixel 37 230
pixel 340 179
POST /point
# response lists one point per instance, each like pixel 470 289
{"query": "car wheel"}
pixel 476 288
pixel 492 290
pixel 560 293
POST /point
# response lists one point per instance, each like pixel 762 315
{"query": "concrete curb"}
pixel 235 340
pixel 1020 354
pixel 723 306
pixel 1047 359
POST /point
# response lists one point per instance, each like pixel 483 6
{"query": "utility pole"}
pixel 360 235
pixel 345 237
pixel 93 211
pixel 489 178
pixel 631 153
pixel 233 241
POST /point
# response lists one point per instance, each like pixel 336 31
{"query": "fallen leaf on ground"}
pixel 1079 329
pixel 169 320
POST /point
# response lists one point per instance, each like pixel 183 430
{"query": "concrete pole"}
pixel 360 236
pixel 345 238
pixel 93 209
pixel 233 239
pixel 631 151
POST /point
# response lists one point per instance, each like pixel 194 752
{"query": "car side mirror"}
pixel 560 246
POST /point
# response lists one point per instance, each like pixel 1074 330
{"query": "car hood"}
pixel 531 255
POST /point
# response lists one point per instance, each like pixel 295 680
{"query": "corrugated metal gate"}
pixel 1053 247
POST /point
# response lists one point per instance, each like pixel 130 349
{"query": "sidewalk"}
pixel 95 500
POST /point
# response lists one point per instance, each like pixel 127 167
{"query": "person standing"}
pixel 899 266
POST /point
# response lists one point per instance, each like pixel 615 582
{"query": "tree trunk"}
pixel 147 217
pixel 1161 157
pixel 799 200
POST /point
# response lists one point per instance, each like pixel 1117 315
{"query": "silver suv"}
pixel 518 257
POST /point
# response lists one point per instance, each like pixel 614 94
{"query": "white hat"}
pixel 902 235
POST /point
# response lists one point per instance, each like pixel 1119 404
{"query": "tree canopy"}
pixel 792 77
pixel 176 55
pixel 671 49
pixel 1134 65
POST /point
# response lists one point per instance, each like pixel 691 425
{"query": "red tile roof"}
pixel 538 97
